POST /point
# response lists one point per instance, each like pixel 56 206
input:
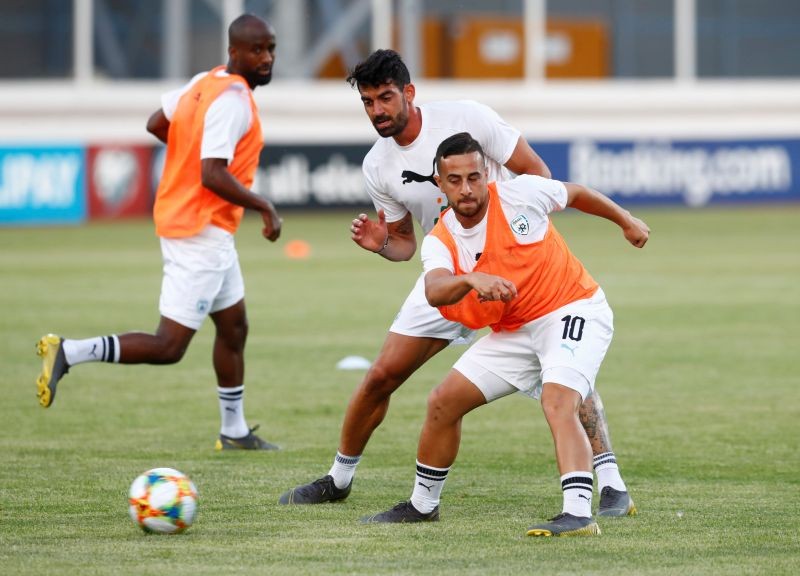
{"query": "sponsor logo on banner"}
pixel 313 176
pixel 42 185
pixel 693 173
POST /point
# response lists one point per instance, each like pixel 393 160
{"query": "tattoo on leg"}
pixel 593 418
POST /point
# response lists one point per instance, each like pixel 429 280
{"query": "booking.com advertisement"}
pixel 695 173
pixel 70 184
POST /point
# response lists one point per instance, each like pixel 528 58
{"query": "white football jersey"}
pixel 399 179
pixel 526 201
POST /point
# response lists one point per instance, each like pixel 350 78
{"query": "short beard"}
pixel 398 125
pixel 465 213
pixel 470 212
pixel 256 79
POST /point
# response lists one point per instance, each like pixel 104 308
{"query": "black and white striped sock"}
pixel 577 488
pixel 343 469
pixel 231 411
pixel 428 485
pixel 98 349
pixel 607 470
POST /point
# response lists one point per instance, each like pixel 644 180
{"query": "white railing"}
pixel 317 112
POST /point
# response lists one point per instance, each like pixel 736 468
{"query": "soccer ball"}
pixel 163 501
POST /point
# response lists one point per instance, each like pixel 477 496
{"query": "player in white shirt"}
pixel 398 172
pixel 212 155
pixel 495 259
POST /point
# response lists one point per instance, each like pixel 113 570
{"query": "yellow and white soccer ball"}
pixel 163 501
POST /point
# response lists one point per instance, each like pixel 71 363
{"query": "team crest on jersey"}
pixel 520 225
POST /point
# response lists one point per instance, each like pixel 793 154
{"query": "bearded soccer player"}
pixel 213 136
pixel 495 259
pixel 399 175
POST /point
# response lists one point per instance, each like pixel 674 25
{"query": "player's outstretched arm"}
pixel 442 287
pixel 394 241
pixel 215 177
pixel 593 202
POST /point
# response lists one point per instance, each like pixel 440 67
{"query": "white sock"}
pixel 231 411
pixel 605 466
pixel 98 349
pixel 343 469
pixel 428 485
pixel 577 489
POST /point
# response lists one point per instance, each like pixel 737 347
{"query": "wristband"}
pixel 385 244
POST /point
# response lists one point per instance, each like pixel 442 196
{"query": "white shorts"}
pixel 565 347
pixel 419 319
pixel 201 276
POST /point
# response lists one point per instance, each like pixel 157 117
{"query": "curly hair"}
pixel 381 67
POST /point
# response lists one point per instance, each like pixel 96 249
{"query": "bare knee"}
pixel 560 403
pixel 170 346
pixel 381 381
pixel 237 331
pixel 233 336
pixel 440 407
pixel 556 408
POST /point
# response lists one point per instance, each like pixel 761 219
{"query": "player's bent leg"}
pixel 447 405
pixel 398 359
pixel 229 342
pixel 615 501
pixel 438 448
pixel 228 356
pixel 166 346
pixel 560 404
pixel 593 419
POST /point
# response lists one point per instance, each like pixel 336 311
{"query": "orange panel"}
pixel 588 49
pixel 494 48
pixel 434 53
pixel 434 46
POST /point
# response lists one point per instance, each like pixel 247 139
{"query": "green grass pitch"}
pixel 701 388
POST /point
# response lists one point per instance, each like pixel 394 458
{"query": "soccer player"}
pixel 399 175
pixel 213 137
pixel 495 259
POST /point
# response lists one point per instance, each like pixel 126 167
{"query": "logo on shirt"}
pixel 410 176
pixel 520 225
pixel 571 349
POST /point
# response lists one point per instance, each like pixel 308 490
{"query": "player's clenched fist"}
pixel 490 287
